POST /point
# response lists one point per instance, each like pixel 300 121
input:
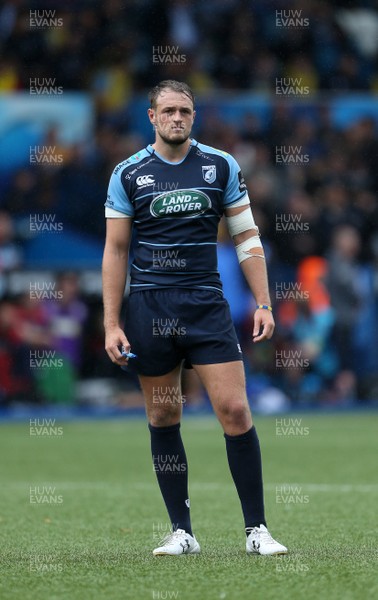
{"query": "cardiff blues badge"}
pixel 209 173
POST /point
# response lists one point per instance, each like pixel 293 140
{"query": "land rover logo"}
pixel 180 203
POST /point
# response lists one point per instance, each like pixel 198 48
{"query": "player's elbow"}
pixel 116 250
pixel 245 235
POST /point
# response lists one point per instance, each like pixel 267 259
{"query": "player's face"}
pixel 173 117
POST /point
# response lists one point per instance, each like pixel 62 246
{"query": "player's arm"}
pixel 114 271
pixel 245 235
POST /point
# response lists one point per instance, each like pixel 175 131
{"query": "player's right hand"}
pixel 114 340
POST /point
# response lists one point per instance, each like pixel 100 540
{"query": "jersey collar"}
pixel 152 150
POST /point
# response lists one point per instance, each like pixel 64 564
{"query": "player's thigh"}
pixel 146 314
pixel 163 397
pixel 226 388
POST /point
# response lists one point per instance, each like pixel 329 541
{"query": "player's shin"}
pixel 244 459
pixel 171 468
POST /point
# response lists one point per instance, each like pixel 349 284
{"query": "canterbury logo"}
pixel 145 180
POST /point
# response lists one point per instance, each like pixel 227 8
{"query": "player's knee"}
pixel 164 416
pixel 236 414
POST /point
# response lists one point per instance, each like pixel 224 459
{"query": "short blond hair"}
pixel 169 84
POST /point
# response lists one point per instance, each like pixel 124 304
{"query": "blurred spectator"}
pixel 16 382
pixel 311 331
pixel 66 317
pixel 10 252
pixel 344 286
pixel 9 81
pixel 24 339
pixel 305 322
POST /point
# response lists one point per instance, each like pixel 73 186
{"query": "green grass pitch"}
pixel 81 512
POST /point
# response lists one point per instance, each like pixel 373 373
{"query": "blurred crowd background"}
pixel 312 176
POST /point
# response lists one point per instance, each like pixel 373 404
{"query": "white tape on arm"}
pixel 241 222
pixel 111 213
pixel 245 201
pixel 244 250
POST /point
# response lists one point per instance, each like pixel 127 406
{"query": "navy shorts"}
pixel 166 326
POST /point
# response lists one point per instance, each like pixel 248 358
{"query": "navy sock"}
pixel 244 459
pixel 171 468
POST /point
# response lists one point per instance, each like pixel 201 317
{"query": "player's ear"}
pixel 194 114
pixel 151 115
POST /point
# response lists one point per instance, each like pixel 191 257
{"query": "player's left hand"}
pixel 263 325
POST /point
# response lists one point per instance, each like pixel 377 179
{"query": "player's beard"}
pixel 173 142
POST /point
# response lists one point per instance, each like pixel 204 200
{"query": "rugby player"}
pixel 172 194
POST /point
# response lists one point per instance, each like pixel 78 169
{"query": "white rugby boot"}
pixel 260 541
pixel 176 543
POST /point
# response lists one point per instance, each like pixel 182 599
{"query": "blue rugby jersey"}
pixel 176 209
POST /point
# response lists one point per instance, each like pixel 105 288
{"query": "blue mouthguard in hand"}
pixel 128 354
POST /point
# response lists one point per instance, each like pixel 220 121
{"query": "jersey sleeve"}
pixel 117 198
pixel 236 187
